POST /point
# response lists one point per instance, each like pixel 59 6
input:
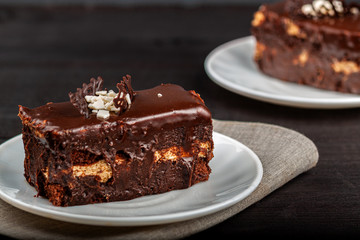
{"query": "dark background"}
pixel 48 48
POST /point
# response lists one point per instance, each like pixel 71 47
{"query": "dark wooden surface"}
pixel 45 52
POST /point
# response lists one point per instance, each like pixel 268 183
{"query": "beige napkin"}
pixel 284 154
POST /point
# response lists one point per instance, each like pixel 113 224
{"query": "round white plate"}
pixel 236 172
pixel 231 66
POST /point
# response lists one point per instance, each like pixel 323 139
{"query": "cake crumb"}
pixel 259 18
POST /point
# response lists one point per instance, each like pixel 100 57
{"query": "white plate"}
pixel 231 66
pixel 236 172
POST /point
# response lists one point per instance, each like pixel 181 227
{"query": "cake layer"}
pixel 121 178
pixel 161 143
pixel 322 52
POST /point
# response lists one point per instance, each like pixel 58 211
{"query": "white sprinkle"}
pixel 327 5
pixel 323 8
pixel 89 98
pixel 103 114
pixel 354 10
pixel 103 103
pixel 108 106
pixel 112 94
pixel 317 4
pixel 338 6
pixel 307 9
pixel 101 93
pixel 128 99
pixel 159 95
pixel 106 98
pixel 331 13
pixel 114 109
pixel 98 104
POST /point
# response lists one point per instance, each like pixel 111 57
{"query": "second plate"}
pixel 231 66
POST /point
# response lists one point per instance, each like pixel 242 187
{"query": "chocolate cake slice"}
pixel 316 43
pixel 104 146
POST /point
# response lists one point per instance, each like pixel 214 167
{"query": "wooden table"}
pixel 45 52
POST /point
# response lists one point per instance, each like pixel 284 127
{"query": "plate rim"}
pixel 145 220
pixel 350 101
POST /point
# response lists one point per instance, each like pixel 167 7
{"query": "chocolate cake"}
pixel 316 43
pixel 104 146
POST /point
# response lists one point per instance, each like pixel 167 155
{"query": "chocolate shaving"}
pixel 126 94
pixel 78 98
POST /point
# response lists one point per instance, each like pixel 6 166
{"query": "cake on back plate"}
pixel 103 146
pixel 315 43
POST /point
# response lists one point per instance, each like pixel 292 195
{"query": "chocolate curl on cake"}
pixel 78 98
pixel 126 94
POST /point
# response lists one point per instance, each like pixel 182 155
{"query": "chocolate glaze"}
pixel 158 118
pixel 147 107
pixel 326 39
